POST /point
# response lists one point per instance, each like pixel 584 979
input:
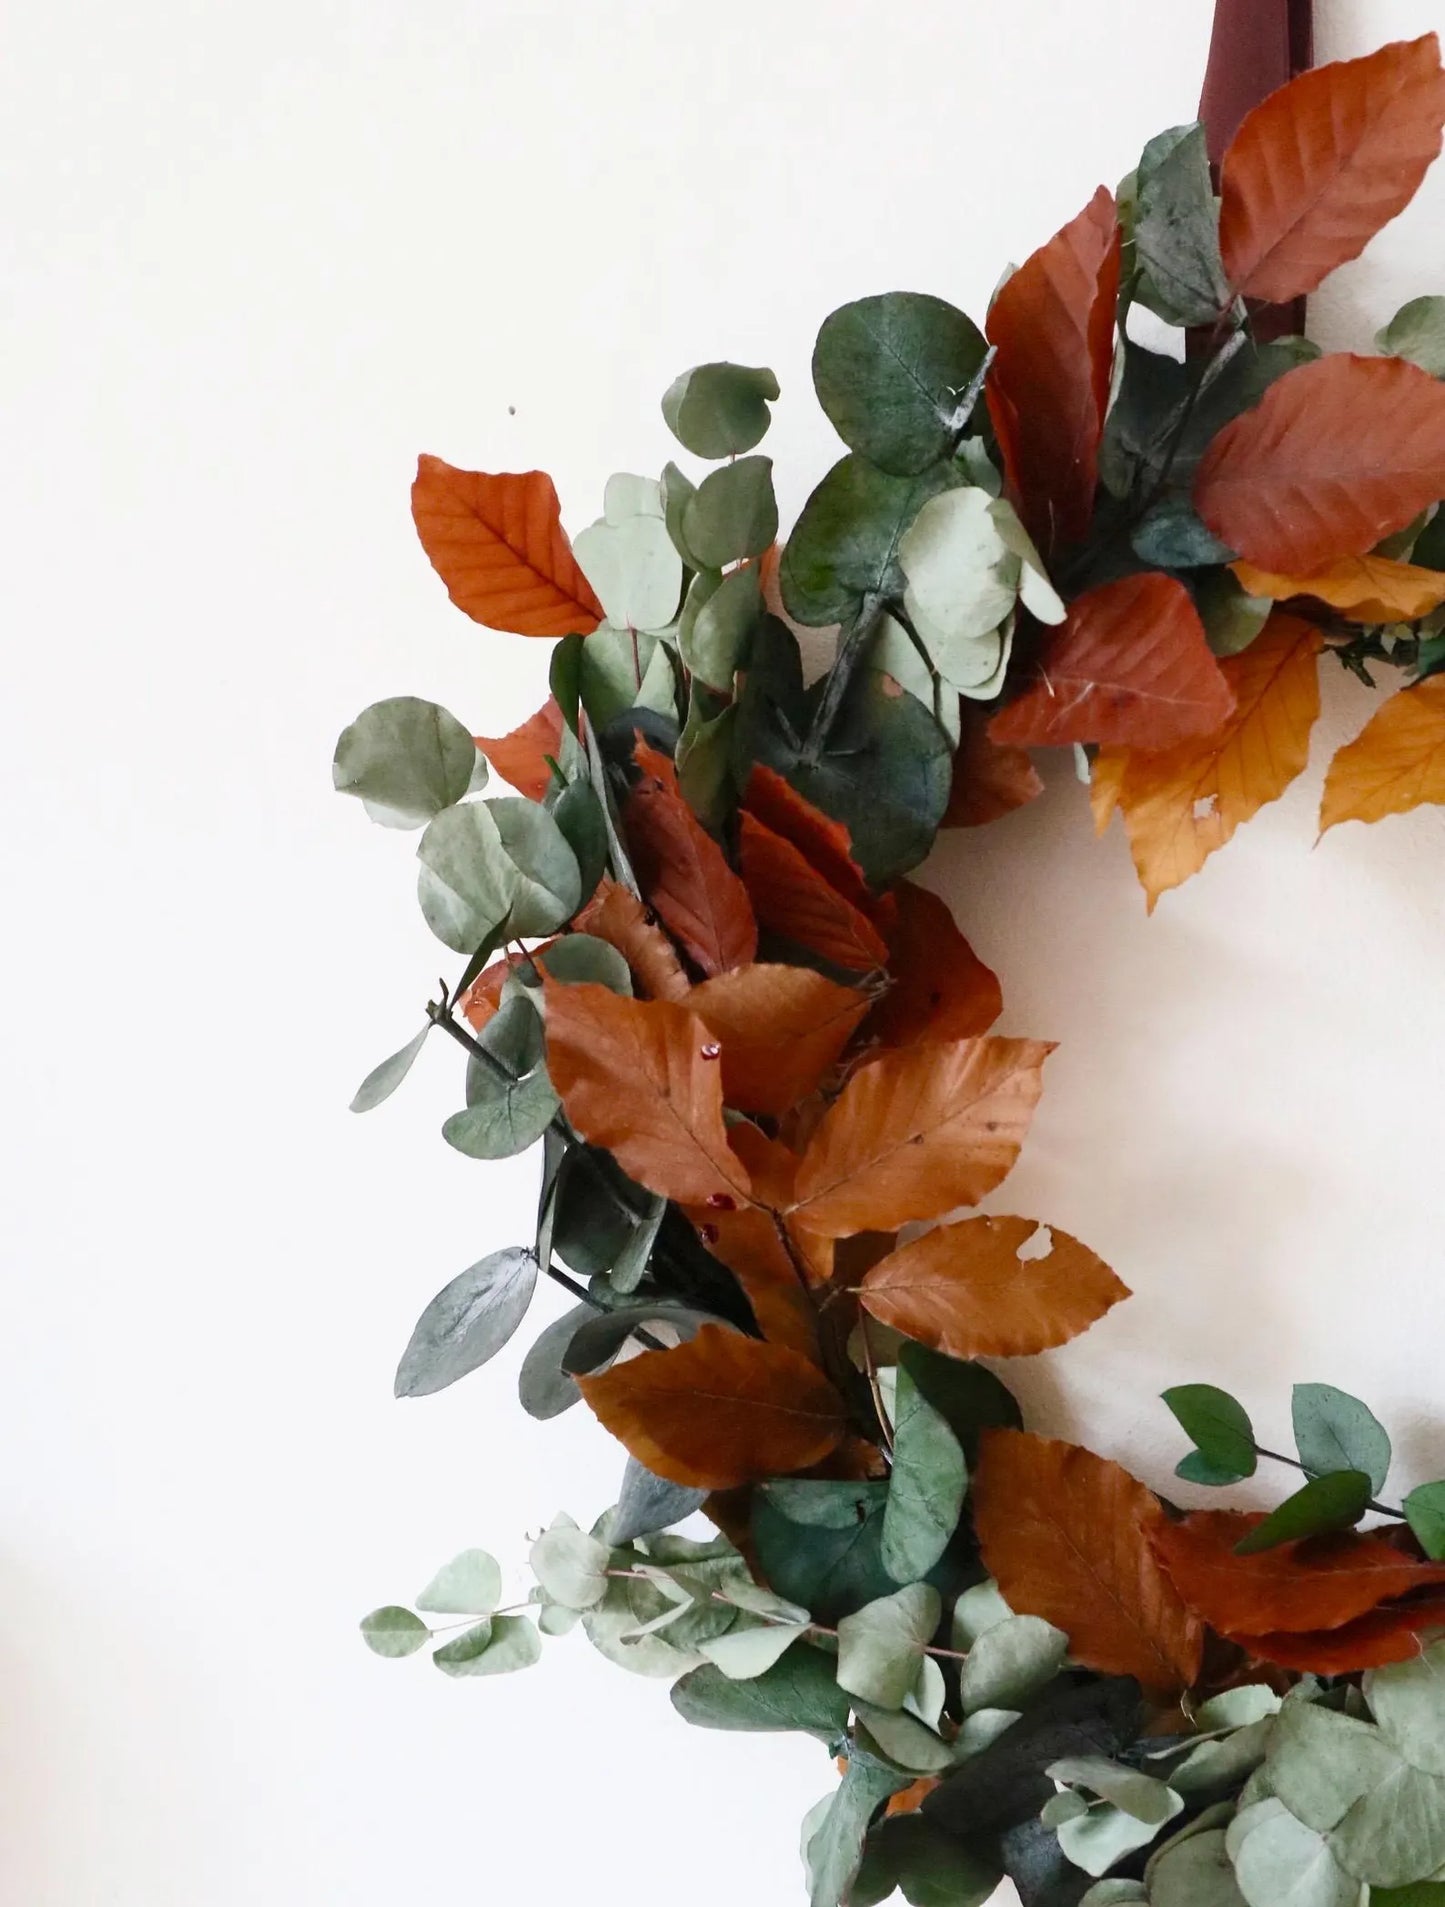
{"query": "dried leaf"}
pixel 1053 325
pixel 825 844
pixel 498 544
pixel 792 900
pixel 975 1289
pixel 916 1132
pixel 1395 763
pixel 1130 666
pixel 617 916
pixel 641 1077
pixel 520 758
pixel 781 1028
pixel 1182 803
pixel 1391 1633
pixel 1065 1535
pixel 941 989
pixel 990 780
pixel 719 1411
pixel 1336 456
pixel 1318 167
pixel 684 873
pixel 747 1242
pixel 1363 588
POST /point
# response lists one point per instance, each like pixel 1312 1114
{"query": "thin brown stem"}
pixel 885 1428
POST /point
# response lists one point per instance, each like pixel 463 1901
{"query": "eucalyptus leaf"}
pixel 1172 535
pixel 903 1738
pixel 835 1851
pixel 496 1647
pixel 800 1692
pixel 623 669
pixel 631 562
pixel 931 1870
pixel 629 1267
pixel 1334 1502
pixel 467 1322
pixel 583 957
pixel 1115 1893
pixel 820 1544
pixel 1195 1873
pixel 1334 1431
pixel 407 760
pixel 879 1645
pixel 603 1335
pixel 844 548
pixel 717 620
pixel 1232 618
pixel 1407 1700
pixel 1141 1796
pixel 1221 1430
pixel 469 1585
pixel 1279 1862
pixel 570 1565
pixel 647 1503
pixel 1102 1836
pixel 896 376
pixel 676 489
pixel 745 1653
pixel 579 817
pixel 720 410
pixel 1011 1663
pixel 1425 1511
pixel 1417 332
pixel 969 1396
pixel 394 1632
pixel 610 1621
pixel 733 513
pixel 467 880
pixel 978 1610
pixel 382 1081
pixel 545 1389
pixel 548 887
pixel 705 774
pixel 505 1118
pixel 925 1489
pixel 1176 230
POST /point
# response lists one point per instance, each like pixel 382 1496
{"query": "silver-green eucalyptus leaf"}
pixel 382 1081
pixel 505 1118
pixel 897 376
pixel 925 1489
pixel 880 1645
pixel 570 1565
pixel 1417 332
pixel 1011 1663
pixel 733 514
pixel 548 886
pixel 629 558
pixel 976 1612
pixel 716 621
pixel 545 1389
pixel 466 881
pixel 394 1632
pixel 905 1739
pixel 1334 1431
pixel 720 410
pixel 406 760
pixel 467 1322
pixel 1407 1700
pixel 1279 1862
pixel 1102 1836
pixel 497 1647
pixel 745 1653
pixel 469 1585
pixel 1195 1873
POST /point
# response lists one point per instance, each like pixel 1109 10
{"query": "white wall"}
pixel 259 256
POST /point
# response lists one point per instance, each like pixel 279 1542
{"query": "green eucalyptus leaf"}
pixel 1425 1513
pixel 1011 1663
pixel 1232 618
pixel 629 558
pixel 603 1335
pixel 1176 230
pixel 682 1601
pixel 648 1503
pixel 1195 1873
pixel 1215 1766
pixel 1222 1432
pixel 590 1222
pixel 1235 383
pixel 705 772
pixel 545 1389
pixel 904 1739
pixel 1417 332
pixel 800 1692
pixel 976 1611
pixel 844 548
pixel 1407 1700
pixel 1143 420
pixel 925 1490
pixel 893 651
pixel 548 889
pixel 467 880
pixel 820 1544
pixel 897 375
pixel 1140 1796
pixel 677 489
pixel 506 1118
pixel 382 1081
pixel 583 826
pixel 1116 1893
pixel 1172 535
pixel 720 410
pixel 630 1265
pixel 611 1628
pixel 1238 1707
pixel 579 958
pixel 931 1869
pixel 1279 1860
pixel 835 1850
pixel 492 1648
pixel 879 1646
pixel 394 1632
pixel 1334 1502
pixel 717 619
pixel 1334 1431
pixel 743 1654
pixel 623 669
pixel 406 760
pixel 469 1585
pixel 1103 1835
pixel 1322 1764
pixel 968 1396
pixel 733 513
pixel 564 678
pixel 570 1565
pixel 467 1322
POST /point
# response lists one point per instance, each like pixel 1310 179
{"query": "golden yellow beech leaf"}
pixel 1395 763
pixel 1362 588
pixel 1182 803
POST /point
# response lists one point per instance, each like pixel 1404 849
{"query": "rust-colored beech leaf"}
pixel 1321 1583
pixel 483 997
pixel 1131 666
pixel 1182 803
pixel 941 989
pixel 1065 1535
pixel 791 899
pixel 747 1242
pixel 781 1028
pixel 642 1078
pixel 1317 168
pixel 1337 455
pixel 825 844
pixel 1362 588
pixel 1391 1633
pixel 1052 324
pixel 521 757
pixel 719 1411
pixel 916 1132
pixel 615 914
pixel 1395 763
pixel 684 873
pixel 498 544
pixel 990 779
pixel 991 1287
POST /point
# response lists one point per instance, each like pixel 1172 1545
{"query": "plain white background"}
pixel 257 258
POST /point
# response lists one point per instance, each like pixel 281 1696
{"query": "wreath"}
pixel 758 1062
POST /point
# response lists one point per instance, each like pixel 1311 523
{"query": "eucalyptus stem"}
pixel 851 645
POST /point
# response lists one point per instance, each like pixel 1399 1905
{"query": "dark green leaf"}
pixel 1334 1431
pixel 565 678
pixel 1172 535
pixel 1149 406
pixel 705 758
pixel 406 760
pixel 845 545
pixel 799 1692
pixel 513 1037
pixel 733 513
pixel 968 1396
pixel 720 410
pixel 820 1544
pixel 646 1504
pixel 931 1868
pixel 1334 1502
pixel 382 1081
pixel 677 492
pixel 925 1490
pixel 394 1632
pixel 1236 385
pixel 1232 618
pixel 895 375
pixel 717 619
pixel 467 1322
pixel 630 1266
pixel 590 1222
pixel 623 669
pixel 1423 1894
pixel 1176 230
pixel 545 1389
pixel 1425 1512
pixel 835 1849
pixel 1221 1430
pixel 578 814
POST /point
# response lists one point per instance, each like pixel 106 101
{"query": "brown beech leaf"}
pixel 1337 455
pixel 1321 1583
pixel 1131 665
pixel 1182 803
pixel 616 915
pixel 984 1288
pixel 719 1411
pixel 908 1800
pixel 1395 763
pixel 498 544
pixel 825 844
pixel 941 989
pixel 1362 588
pixel 521 757
pixel 643 1079
pixel 1052 324
pixel 1391 1633
pixel 1065 1535
pixel 483 997
pixel 916 1132
pixel 747 1242
pixel 684 873
pixel 791 899
pixel 990 780
pixel 781 1028
pixel 1317 168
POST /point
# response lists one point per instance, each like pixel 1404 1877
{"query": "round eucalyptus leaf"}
pixel 548 888
pixel 545 1389
pixel 1012 1663
pixel 469 1585
pixel 578 813
pixel 1232 618
pixel 879 1647
pixel 496 1647
pixel 717 619
pixel 743 1654
pixel 1221 1430
pixel 506 1117
pixel 895 375
pixel 467 1322
pixel 799 1692
pixel 1280 1859
pixel 733 513
pixel 467 881
pixel 382 1081
pixel 647 1503
pixel 609 1621
pixel 634 568
pixel 844 547
pixel 407 760
pixel 1407 1699
pixel 1417 332
pixel 570 1565
pixel 623 669
pixel 1100 1838
pixel 720 410
pixel 1334 1431
pixel 925 1491
pixel 394 1632
pixel 1196 1873
pixel 677 490
pixel 1425 1512
pixel 626 496
pixel 604 1334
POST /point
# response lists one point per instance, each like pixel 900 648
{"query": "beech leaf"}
pixel 1370 589
pixel 782 1029
pixel 940 989
pixel 990 779
pixel 793 901
pixel 521 757
pixel 618 917
pixel 1395 763
pixel 684 873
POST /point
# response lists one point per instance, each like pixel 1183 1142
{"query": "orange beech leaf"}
pixel 1182 803
pixel 520 758
pixel 989 780
pixel 616 915
pixel 1321 1583
pixel 781 1028
pixel 684 873
pixel 642 1078
pixel 1317 168
pixel 1131 665
pixel 825 844
pixel 909 1799
pixel 1337 455
pixel 941 989
pixel 1395 763
pixel 1065 1535
pixel 793 901
pixel 498 544
pixel 483 997
pixel 973 1290
pixel 719 1411
pixel 747 1242
pixel 1048 387
pixel 916 1132
pixel 1363 588
pixel 1392 1633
